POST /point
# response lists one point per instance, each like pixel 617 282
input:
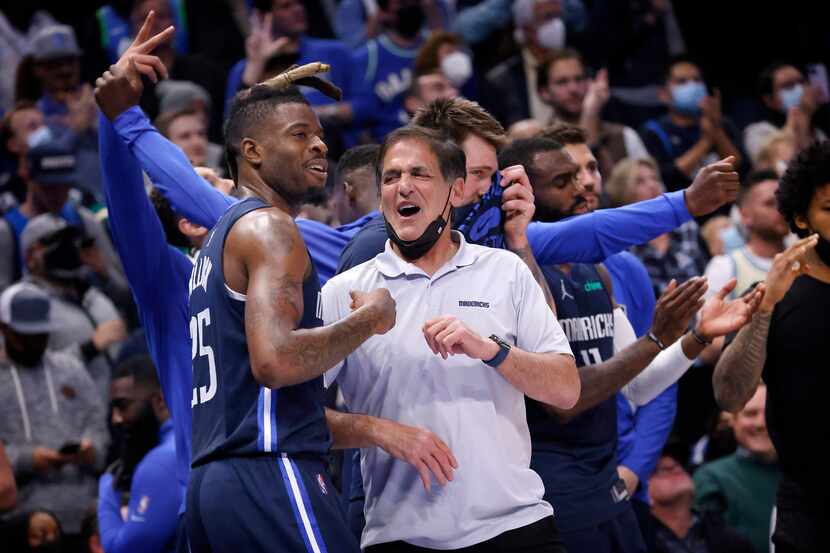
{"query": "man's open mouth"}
pixel 408 210
pixel 319 166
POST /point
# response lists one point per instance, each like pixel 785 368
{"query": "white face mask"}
pixel 551 35
pixel 458 67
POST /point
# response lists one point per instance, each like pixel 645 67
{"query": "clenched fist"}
pixel 382 305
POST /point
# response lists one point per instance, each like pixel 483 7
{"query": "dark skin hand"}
pixel 265 258
pixel 120 87
pixel 672 314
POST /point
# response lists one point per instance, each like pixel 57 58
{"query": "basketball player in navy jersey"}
pixel 574 450
pixel 259 348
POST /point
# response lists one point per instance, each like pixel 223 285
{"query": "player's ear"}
pixel 251 151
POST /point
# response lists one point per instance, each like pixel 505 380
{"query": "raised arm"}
pixel 671 318
pixel 136 230
pixel 593 237
pixel 738 371
pixel 267 247
pixel 716 318
pixel 169 169
pixel 518 205
pixel 190 195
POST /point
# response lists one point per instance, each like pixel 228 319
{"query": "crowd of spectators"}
pixel 82 417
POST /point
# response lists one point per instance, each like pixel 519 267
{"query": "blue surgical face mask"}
pixel 686 97
pixel 791 97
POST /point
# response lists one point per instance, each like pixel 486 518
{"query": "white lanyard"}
pixel 370 7
pixel 21 401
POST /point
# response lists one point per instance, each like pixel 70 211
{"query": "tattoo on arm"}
pixel 739 369
pixel 349 430
pixel 276 263
pixel 526 255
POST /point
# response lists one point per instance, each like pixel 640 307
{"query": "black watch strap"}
pixel 504 349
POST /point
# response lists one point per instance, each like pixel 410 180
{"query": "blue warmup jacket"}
pixel 151 518
pixel 158 275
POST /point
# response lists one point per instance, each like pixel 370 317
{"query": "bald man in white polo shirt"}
pixel 473 337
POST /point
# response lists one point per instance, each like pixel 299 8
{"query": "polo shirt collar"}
pixel 391 265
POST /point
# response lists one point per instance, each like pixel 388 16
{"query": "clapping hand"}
pixel 719 317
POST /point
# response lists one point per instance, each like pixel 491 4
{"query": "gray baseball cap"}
pixel 40 227
pixel 181 95
pixel 55 41
pixel 26 309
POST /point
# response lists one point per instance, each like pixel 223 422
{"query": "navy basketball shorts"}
pixel 620 534
pixel 266 504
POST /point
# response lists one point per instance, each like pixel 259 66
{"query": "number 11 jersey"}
pixel 234 415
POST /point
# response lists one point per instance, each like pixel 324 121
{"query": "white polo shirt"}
pixel 468 404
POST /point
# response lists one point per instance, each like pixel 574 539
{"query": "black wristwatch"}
pixel 504 349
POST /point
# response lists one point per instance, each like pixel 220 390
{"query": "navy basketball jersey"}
pixel 233 415
pixel 578 457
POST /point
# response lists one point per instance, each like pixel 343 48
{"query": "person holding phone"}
pixel 52 419
pixel 694 132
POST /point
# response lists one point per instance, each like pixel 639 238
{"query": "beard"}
pixel 547 214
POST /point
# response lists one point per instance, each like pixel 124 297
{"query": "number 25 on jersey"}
pixel 202 394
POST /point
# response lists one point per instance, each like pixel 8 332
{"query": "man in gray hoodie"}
pixel 52 420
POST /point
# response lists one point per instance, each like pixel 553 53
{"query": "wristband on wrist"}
pixel 504 349
pixel 700 340
pixel 656 340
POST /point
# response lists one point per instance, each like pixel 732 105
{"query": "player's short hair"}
pixel 522 151
pixel 169 220
pixel 358 157
pixel 451 159
pixel 141 369
pixel 543 70
pixel 458 118
pixel 249 108
pixel 807 172
pixel 566 134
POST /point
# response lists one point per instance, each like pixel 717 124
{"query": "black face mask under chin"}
pixel 28 357
pixel 415 249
